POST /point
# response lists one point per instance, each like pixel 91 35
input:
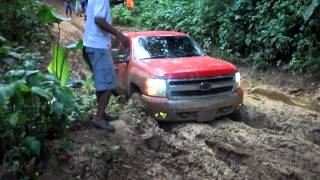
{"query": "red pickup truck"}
pixel 177 81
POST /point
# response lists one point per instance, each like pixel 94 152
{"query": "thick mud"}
pixel 268 143
pixel 277 137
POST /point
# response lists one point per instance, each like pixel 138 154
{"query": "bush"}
pixel 281 33
pixel 34 108
pixel 19 23
pixel 122 15
pixel 272 32
pixel 195 18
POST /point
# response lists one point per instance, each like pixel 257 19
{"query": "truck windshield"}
pixel 165 47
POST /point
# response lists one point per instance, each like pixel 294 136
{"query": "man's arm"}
pixel 101 22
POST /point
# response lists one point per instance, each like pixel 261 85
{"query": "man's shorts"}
pixel 103 70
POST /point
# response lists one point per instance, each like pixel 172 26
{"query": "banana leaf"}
pixel 59 65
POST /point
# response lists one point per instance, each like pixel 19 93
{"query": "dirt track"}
pixel 278 137
pixel 270 143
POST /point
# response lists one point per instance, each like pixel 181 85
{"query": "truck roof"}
pixel 154 33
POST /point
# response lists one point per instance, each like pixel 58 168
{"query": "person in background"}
pixel 130 4
pixel 68 7
pixel 78 8
pixel 97 44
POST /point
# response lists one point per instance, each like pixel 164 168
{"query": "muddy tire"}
pixel 236 115
pixel 136 100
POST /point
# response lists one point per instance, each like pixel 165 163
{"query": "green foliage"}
pixel 33 109
pixel 20 23
pixel 59 66
pixel 47 15
pixel 281 33
pixel 197 18
pixel 273 33
pixel 86 98
pixel 122 15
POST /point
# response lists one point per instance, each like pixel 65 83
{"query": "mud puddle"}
pixel 307 102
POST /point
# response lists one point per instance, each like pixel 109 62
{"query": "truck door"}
pixel 121 61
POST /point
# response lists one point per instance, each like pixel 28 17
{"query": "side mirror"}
pixel 123 58
pixel 120 56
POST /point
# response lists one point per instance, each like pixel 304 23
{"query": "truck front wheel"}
pixel 236 115
pixel 136 99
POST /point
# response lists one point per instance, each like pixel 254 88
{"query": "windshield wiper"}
pixel 189 55
pixel 158 57
pixel 163 56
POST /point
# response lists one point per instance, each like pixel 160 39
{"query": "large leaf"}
pixel 59 65
pixel 51 77
pixel 310 10
pixel 15 55
pixel 57 108
pixel 23 87
pixel 2 39
pixel 64 96
pixel 41 92
pixel 32 72
pixel 18 100
pixel 16 73
pixel 47 14
pixel 7 91
pixel 74 46
pixel 13 119
pixel 33 145
pixel 5 41
pixel 4 51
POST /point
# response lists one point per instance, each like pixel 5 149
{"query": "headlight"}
pixel 156 87
pixel 237 79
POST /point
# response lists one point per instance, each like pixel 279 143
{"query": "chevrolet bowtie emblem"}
pixel 205 86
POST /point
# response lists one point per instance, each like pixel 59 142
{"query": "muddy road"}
pixel 272 140
pixel 277 137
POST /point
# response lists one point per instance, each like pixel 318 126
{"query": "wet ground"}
pixel 278 137
pixel 273 140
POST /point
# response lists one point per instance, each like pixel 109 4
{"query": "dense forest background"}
pixel 266 33
pixel 276 33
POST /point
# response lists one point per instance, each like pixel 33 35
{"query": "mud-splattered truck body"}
pixel 176 79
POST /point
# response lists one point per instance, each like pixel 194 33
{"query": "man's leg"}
pixel 104 78
pixel 103 100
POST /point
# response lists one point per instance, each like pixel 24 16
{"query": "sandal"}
pixel 104 125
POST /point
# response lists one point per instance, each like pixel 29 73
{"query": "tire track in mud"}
pixel 253 153
pixel 261 112
pixel 226 149
pixel 273 140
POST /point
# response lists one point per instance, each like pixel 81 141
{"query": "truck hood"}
pixel 188 67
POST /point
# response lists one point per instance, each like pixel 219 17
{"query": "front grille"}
pixel 198 81
pixel 200 87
